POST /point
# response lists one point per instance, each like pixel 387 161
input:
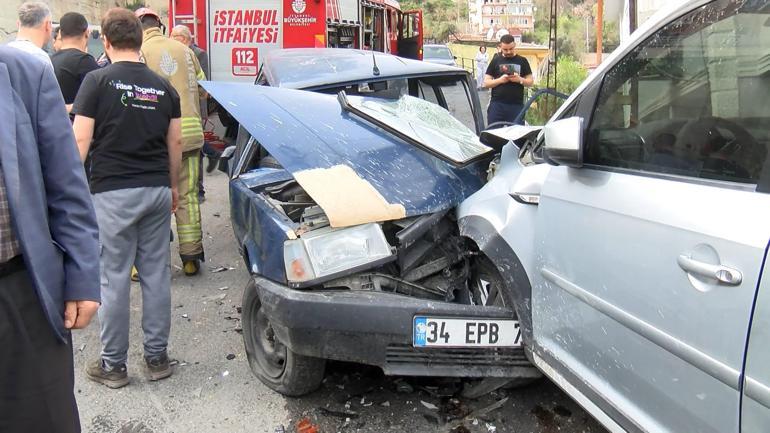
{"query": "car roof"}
pixel 307 68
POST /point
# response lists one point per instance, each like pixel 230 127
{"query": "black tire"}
pixel 272 362
pixel 488 288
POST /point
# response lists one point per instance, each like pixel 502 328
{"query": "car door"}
pixel 649 255
pixel 755 407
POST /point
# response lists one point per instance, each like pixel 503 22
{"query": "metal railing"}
pixel 467 64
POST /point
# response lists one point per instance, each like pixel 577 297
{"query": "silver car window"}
pixel 692 99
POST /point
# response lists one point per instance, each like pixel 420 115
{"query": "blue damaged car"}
pixel 343 206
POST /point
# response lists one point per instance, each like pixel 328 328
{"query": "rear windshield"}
pixel 437 53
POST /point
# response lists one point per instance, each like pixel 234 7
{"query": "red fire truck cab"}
pixel 237 33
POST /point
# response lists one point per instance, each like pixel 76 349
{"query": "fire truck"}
pixel 237 33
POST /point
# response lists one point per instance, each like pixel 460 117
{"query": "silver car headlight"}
pixel 322 254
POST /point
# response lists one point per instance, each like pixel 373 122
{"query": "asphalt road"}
pixel 213 390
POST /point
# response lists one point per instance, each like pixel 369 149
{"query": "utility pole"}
pixel 550 74
pixel 599 30
pixel 632 15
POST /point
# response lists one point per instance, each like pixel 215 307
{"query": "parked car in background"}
pixel 440 54
pixel 633 230
pixel 342 203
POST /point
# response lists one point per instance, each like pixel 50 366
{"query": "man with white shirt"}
pixel 35 29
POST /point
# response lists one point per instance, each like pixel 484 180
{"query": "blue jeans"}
pixel 503 112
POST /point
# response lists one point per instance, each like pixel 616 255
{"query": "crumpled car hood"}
pixel 355 171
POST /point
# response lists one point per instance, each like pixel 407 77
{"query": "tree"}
pixel 440 17
pixel 569 75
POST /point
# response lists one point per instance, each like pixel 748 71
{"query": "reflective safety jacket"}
pixel 175 62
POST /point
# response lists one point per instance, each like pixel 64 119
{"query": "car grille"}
pixel 400 354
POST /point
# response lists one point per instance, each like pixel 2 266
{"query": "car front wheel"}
pixel 270 360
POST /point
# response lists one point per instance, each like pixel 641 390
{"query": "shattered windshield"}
pixel 425 124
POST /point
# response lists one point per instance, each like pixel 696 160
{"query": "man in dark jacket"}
pixel 49 249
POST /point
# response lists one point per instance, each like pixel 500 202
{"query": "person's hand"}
pixel 174 199
pixel 77 314
pixel 513 78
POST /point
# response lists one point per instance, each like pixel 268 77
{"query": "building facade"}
pixel 501 14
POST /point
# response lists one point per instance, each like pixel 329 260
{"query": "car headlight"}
pixel 322 254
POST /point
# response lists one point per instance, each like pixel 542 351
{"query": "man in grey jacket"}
pixel 49 249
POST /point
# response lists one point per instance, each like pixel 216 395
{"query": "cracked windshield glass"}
pixel 426 123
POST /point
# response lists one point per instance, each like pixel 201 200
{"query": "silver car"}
pixel 632 230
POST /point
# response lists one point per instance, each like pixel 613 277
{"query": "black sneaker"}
pixel 158 367
pixel 110 376
pixel 212 164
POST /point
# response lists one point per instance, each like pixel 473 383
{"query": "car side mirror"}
pixel 564 142
pixel 224 159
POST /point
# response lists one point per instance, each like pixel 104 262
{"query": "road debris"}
pixel 223 288
pixel 486 410
pixel 305 426
pixel 185 316
pixel 454 409
pixel 347 414
pixel 491 428
pixel 432 418
pixel 225 373
pixel 218 269
pixel 430 406
pixel 82 347
pixel 230 356
pixel 385 404
pixel 484 386
pixel 219 297
pixel 460 429
pixel 280 429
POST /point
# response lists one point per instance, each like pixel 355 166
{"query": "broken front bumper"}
pixel 375 328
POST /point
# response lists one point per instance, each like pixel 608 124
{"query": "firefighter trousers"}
pixel 188 212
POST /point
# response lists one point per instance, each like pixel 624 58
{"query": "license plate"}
pixel 455 332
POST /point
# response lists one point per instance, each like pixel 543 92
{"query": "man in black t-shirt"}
pixel 507 75
pixel 71 62
pixel 128 124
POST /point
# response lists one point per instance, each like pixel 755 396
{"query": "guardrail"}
pixel 467 64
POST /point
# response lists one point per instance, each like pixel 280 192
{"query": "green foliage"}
pixel 440 16
pixel 576 27
pixel 569 74
pixel 133 5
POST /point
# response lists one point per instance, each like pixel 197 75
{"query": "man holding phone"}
pixel 507 75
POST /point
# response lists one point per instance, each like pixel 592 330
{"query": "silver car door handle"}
pixel 723 274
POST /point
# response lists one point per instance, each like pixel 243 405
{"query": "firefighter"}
pixel 178 64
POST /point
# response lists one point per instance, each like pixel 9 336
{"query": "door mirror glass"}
pixel 564 142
